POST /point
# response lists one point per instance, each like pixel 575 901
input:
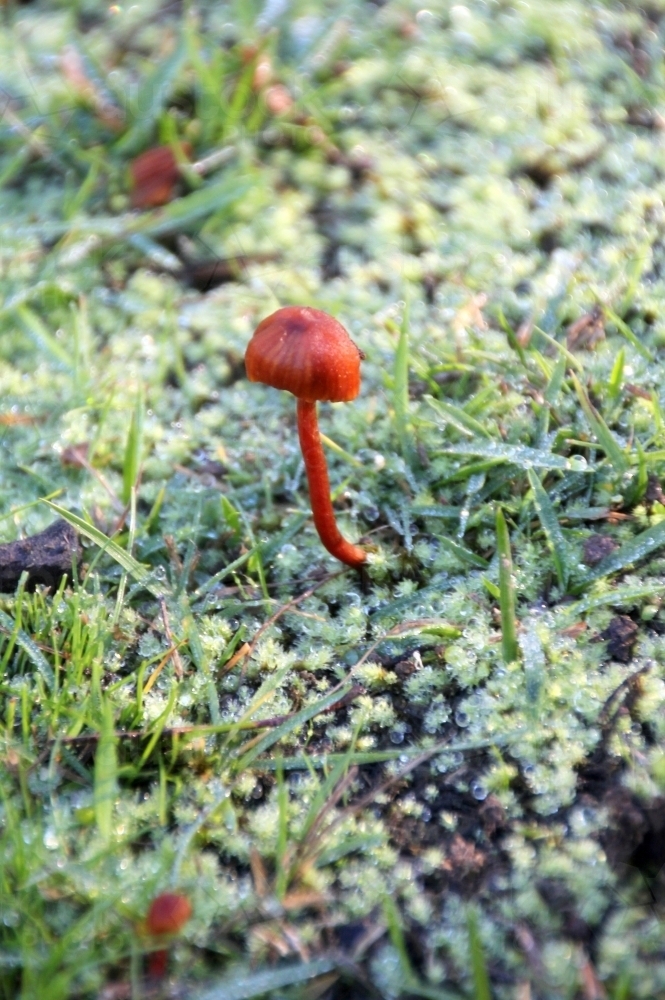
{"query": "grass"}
pixel 443 777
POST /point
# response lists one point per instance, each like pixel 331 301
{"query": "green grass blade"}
pixel 560 348
pixel 517 454
pixel 401 385
pixel 414 987
pixel 150 99
pixel 327 760
pixel 511 337
pixel 637 486
pixel 553 387
pixel 481 982
pixel 616 375
pixel 506 590
pixel 457 418
pixel 599 428
pixel 297 720
pixel 231 517
pixel 550 525
pixel 105 774
pixel 121 556
pixel 627 333
pixel 36 330
pixel 180 214
pixel 159 727
pixel 460 552
pixel 29 647
pixel 237 106
pixel 623 596
pixel 133 449
pixel 265 983
pixel 267 550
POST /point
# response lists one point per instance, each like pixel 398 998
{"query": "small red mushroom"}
pixel 155 174
pixel 168 914
pixel 310 354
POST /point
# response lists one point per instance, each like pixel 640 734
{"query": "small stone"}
pixel 597 548
pixel 621 636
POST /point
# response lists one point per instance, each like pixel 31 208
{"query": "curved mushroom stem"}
pixel 319 488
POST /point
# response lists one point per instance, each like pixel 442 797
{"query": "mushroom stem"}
pixel 157 963
pixel 319 488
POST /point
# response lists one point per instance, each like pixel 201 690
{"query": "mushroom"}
pixel 155 174
pixel 168 914
pixel 310 354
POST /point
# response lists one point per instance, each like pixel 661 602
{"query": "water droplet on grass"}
pixel 478 791
pixel 51 841
pixel 577 463
pixel 462 719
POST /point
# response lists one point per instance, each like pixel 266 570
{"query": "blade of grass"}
pixel 181 213
pixel 509 645
pixel 326 760
pixel 282 877
pixel 627 333
pixel 616 375
pixel 553 342
pixel 460 552
pixel 36 330
pixel 260 697
pixel 517 454
pixel 133 449
pixel 118 554
pixel 511 337
pixel 149 100
pixel 329 443
pixel 481 980
pixel 457 418
pixel 267 550
pixel 553 387
pixel 19 638
pixel 618 597
pixel 637 486
pixel 414 987
pixel 401 383
pixel 231 517
pixel 292 724
pixel 160 723
pixel 120 598
pixel 105 774
pixel 600 430
pixel 550 525
pixel 265 983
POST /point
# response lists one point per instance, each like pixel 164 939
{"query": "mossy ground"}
pixel 369 784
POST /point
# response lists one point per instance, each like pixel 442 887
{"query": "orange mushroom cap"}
pixel 168 913
pixel 306 352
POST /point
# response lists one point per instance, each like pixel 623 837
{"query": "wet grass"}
pixel 441 777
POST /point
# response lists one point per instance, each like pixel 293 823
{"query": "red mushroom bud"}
pixel 155 174
pixel 168 914
pixel 310 354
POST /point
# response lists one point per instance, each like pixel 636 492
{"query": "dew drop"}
pixel 577 463
pixel 50 839
pixel 478 791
